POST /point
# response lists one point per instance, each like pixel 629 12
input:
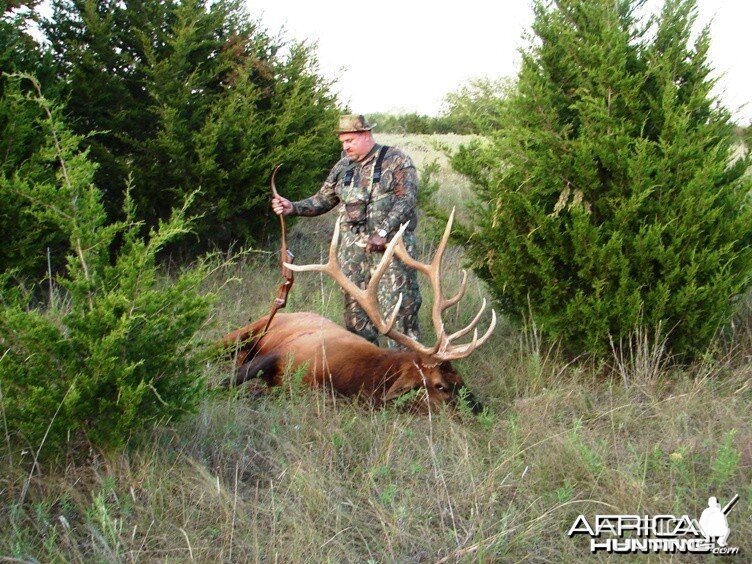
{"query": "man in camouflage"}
pixel 376 187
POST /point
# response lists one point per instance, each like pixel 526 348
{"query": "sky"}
pixel 406 55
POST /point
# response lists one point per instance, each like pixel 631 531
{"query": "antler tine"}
pixel 331 267
pixel 444 240
pixel 435 264
pixel 386 259
pixel 463 285
pixel 393 318
pixel 465 330
pixel 433 271
pixel 320 267
pixel 461 351
pixel 335 242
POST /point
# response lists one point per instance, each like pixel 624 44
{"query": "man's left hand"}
pixel 376 244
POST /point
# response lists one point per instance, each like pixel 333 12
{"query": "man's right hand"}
pixel 281 206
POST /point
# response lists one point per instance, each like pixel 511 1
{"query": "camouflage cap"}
pixel 351 123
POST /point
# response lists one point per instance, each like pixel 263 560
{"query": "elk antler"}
pixel 368 300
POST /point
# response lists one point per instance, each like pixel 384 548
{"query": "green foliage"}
pixel 477 106
pixel 25 242
pixel 116 353
pixel 726 462
pixel 27 239
pixel 410 123
pixel 189 95
pixel 610 199
pixel 472 109
pixel 429 184
pixel 19 52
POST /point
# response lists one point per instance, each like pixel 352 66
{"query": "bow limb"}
pixel 286 256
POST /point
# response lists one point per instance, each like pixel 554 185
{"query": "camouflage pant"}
pixel 398 279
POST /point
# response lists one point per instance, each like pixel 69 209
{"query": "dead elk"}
pixel 331 356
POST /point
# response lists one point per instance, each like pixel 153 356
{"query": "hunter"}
pixel 376 187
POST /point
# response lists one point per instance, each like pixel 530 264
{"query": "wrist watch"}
pixel 381 233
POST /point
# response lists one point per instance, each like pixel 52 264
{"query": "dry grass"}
pixel 297 476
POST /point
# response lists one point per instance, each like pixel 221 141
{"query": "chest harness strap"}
pixel 375 172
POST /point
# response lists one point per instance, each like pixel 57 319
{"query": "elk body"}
pixel 333 357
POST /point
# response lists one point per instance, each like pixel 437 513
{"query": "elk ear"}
pixel 402 385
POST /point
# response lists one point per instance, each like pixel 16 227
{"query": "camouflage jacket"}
pixel 366 208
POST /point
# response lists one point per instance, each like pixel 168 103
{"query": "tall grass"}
pixel 297 475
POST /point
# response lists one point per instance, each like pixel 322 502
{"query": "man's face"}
pixel 356 145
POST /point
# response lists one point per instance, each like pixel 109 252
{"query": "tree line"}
pixel 472 109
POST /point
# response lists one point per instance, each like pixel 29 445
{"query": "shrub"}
pixel 610 200
pixel 114 349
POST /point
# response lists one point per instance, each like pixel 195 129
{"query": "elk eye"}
pixel 440 387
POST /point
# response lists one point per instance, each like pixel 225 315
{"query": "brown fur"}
pixel 336 358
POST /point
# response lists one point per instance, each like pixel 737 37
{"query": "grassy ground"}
pixel 300 476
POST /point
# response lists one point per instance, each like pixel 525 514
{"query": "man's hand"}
pixel 376 244
pixel 281 206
